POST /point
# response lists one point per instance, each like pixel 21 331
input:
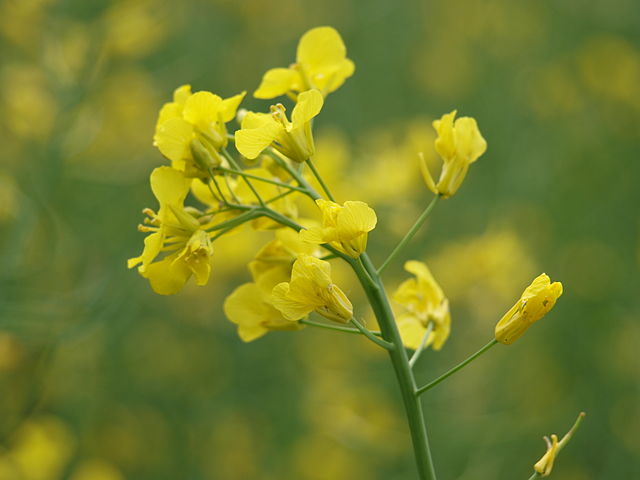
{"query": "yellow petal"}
pixel 425 278
pixel 245 308
pixel 314 235
pixel 152 246
pixel 445 143
pixel 255 120
pixel 308 106
pixel 169 185
pixel 355 218
pixel 173 139
pixel 291 309
pixel 426 174
pixel 230 106
pixel 321 47
pixel 335 80
pixel 169 110
pixel 310 270
pixel 181 94
pixel 469 141
pixel 166 278
pixel 250 142
pixel 411 331
pixel 201 109
pixel 276 82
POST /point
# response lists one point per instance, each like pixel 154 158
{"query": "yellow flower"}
pixel 250 306
pixel 175 232
pixel 459 144
pixel 311 289
pixel 321 63
pixel 251 309
pixel 537 299
pixel 343 227
pixel 545 464
pixel 191 130
pixel 293 139
pixel 422 301
pixel 279 254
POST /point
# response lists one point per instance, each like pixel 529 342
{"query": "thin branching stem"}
pixel 416 355
pixel 458 367
pixel 235 165
pixel 261 179
pixel 337 328
pixel 316 174
pixel 371 336
pixel 410 234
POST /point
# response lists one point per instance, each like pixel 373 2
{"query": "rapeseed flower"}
pixel 537 299
pixel 175 232
pixel 191 129
pixel 311 289
pixel 250 306
pixel 291 138
pixel 459 144
pixel 344 227
pixel 422 301
pixel 321 63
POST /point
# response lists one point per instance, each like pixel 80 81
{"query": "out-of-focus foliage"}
pixel 103 380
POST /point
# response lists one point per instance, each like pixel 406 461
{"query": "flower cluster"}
pixel 258 175
pixel 262 186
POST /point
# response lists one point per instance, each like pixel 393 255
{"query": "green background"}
pixel 162 388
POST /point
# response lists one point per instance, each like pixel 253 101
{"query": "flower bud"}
pixel 537 299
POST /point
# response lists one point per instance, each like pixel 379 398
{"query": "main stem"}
pixel 374 289
pixel 378 299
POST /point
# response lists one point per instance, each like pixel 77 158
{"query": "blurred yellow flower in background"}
pixel 321 63
pixel 40 451
pixel 420 301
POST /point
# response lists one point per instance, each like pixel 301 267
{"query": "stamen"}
pixel 145 228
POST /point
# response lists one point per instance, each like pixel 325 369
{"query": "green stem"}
pixel 215 182
pixel 278 197
pixel 319 178
pixel 235 165
pixel 337 328
pixel 261 179
pixel 380 303
pixel 534 476
pixel 412 231
pixel 418 352
pixel 460 366
pixel 310 191
pixel 234 222
pixel 371 336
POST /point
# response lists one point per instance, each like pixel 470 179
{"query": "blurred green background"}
pixel 100 379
